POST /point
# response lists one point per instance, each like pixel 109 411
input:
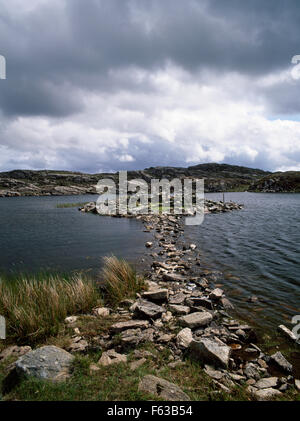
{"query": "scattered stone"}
pixel 162 388
pixel 211 351
pixel 178 309
pixel 148 244
pixel 287 332
pixel 147 309
pixel 251 371
pixel 226 303
pixel 14 351
pixel 264 394
pixel 281 362
pixel 216 294
pixel 184 338
pixel 47 362
pixel 136 364
pixel 166 317
pixel 101 311
pixel 130 324
pixel 94 368
pixel 173 277
pixel 71 319
pixel 214 374
pixel 112 357
pixel 156 295
pixel 78 345
pixel 177 298
pixel 193 246
pixel 195 320
pixel 267 383
pixel 297 384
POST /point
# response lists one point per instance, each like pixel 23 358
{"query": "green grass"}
pixel 120 383
pixel 120 280
pixel 35 308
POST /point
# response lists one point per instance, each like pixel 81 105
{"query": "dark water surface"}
pixel 38 236
pixel 258 249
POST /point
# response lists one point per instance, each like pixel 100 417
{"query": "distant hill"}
pixel 280 182
pixel 218 178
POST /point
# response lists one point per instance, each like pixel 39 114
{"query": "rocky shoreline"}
pixel 180 294
pixel 185 311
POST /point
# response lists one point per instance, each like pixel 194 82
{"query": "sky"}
pixel 108 85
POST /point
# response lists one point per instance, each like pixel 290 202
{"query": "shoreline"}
pixel 172 259
pixel 185 313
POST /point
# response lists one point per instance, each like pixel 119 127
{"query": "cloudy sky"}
pixel 103 85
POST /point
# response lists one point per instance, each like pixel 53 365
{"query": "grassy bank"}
pixel 34 308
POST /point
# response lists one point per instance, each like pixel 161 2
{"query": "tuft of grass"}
pixel 120 280
pixel 34 308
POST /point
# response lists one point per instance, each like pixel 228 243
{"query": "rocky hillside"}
pixel 218 177
pixel 282 182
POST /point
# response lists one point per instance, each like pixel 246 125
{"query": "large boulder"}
pixel 47 362
pixel 210 351
pixel 162 388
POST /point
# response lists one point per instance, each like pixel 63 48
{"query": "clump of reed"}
pixel 35 307
pixel 120 280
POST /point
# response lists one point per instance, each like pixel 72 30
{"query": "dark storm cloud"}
pixel 63 54
pixel 79 43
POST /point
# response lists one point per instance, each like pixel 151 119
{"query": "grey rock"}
pixel 264 394
pixel 287 332
pixel 47 362
pixel 178 309
pixel 210 351
pixel 112 357
pixel 162 388
pixel 267 383
pixel 226 303
pixel 130 324
pixel 251 371
pixel 184 338
pixel 216 294
pixel 197 319
pixel 148 309
pixel 156 295
pixel 281 362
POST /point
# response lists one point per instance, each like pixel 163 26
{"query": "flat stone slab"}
pixel 197 319
pixel 179 309
pixel 47 362
pixel 264 394
pixel 267 382
pixel 210 351
pixel 156 295
pixel 130 324
pixel 162 388
pixel 148 309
